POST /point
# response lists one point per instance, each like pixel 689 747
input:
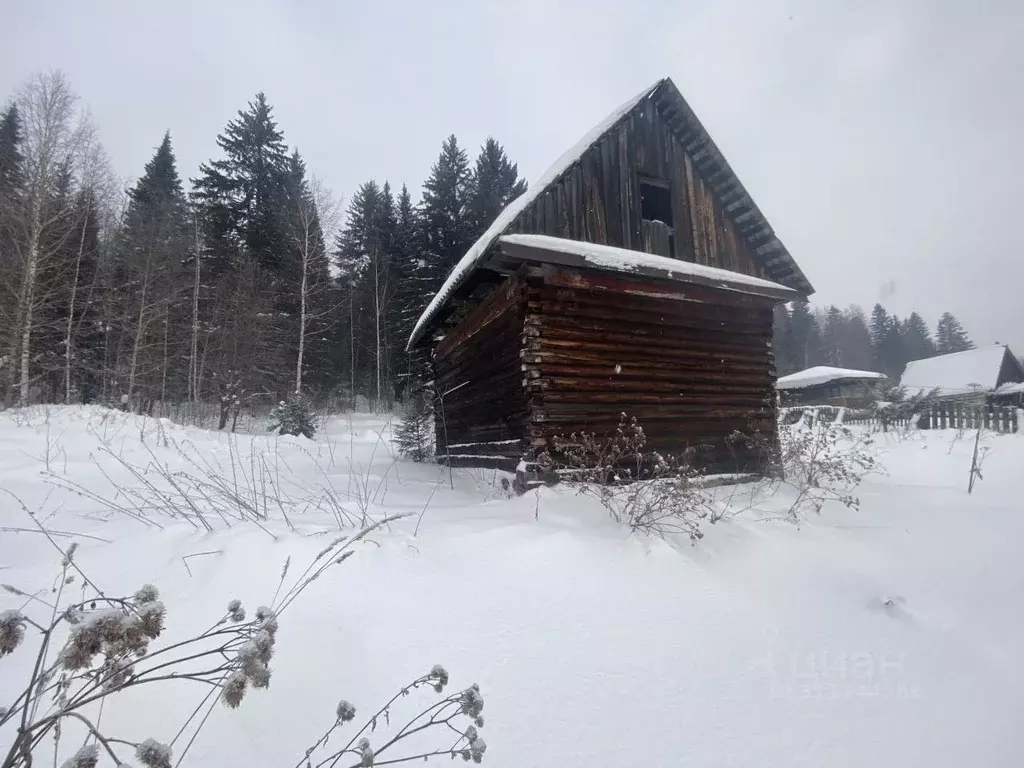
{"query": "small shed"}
pixel 825 385
pixel 972 376
pixel 1011 393
pixel 636 276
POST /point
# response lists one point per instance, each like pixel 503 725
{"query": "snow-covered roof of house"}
pixel 610 258
pixel 959 373
pixel 823 374
pixel 710 162
pixel 1012 388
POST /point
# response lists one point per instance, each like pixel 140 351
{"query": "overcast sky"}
pixel 883 140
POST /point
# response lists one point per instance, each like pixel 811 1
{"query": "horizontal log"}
pixel 615 344
pixel 604 282
pixel 680 371
pixel 537 311
pixel 492 309
pixel 651 304
pixel 498 336
pixel 494 448
pixel 712 396
pixel 540 352
pixel 697 383
pixel 505 464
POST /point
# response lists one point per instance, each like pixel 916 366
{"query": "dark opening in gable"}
pixel 655 201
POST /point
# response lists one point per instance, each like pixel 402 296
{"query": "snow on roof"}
pixel 637 262
pixel 1012 388
pixel 822 374
pixel 517 206
pixel 976 370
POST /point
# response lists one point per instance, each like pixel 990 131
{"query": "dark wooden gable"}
pixel 599 198
pixel 1010 371
pixel 652 151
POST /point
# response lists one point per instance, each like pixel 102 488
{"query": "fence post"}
pixel 1018 419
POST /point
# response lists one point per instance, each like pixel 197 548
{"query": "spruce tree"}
pixel 248 257
pixel 892 352
pixel 917 341
pixel 856 342
pixel 950 335
pixel 11 159
pixel 152 250
pixel 831 337
pixel 494 184
pixel 364 254
pixel 11 190
pixel 806 335
pixel 782 340
pixel 243 194
pixel 307 292
pixel 445 232
pixel 879 327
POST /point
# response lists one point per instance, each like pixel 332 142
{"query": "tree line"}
pixel 805 336
pixel 249 285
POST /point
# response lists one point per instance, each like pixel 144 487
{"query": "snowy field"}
pixel 885 636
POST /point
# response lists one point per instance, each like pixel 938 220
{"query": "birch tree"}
pixel 47 107
pixel 314 210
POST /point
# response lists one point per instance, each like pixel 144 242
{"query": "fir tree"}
pixel 917 341
pixel 805 335
pixel 494 184
pixel 856 340
pixel 11 190
pixel 11 159
pixel 243 194
pixel 879 327
pixel 152 251
pixel 781 341
pixel 365 260
pixel 950 335
pixel 294 416
pixel 831 337
pixel 307 294
pixel 445 233
pixel 892 353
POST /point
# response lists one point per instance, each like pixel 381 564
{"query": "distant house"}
pixel 1011 393
pixel 974 376
pixel 636 276
pixel 823 385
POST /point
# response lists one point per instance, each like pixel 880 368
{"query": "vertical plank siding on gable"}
pixel 598 198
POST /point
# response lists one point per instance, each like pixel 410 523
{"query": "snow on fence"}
pixel 960 416
pixel 1002 419
pixel 876 420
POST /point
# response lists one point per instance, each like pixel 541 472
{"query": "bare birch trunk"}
pixel 193 358
pixel 28 316
pixel 376 313
pixel 68 335
pixel 302 311
pixel 139 325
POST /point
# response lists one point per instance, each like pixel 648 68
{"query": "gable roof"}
pixel 769 251
pixel 823 374
pixel 959 373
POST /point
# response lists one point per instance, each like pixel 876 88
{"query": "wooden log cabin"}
pixel 636 276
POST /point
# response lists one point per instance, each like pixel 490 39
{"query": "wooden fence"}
pixel 999 418
pixel 1003 419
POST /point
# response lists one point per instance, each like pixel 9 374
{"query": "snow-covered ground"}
pixel 885 636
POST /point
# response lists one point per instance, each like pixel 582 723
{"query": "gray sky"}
pixel 884 140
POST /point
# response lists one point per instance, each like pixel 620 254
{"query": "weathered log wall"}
pixel 692 364
pixel 598 199
pixel 482 421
